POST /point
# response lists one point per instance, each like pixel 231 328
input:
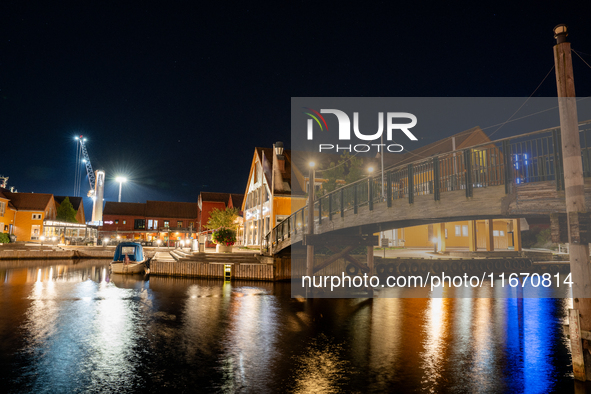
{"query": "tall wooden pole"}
pixel 573 178
pixel 310 248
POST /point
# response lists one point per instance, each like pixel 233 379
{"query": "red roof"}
pixel 28 201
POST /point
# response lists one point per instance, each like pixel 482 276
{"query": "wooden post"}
pixel 441 236
pixel 372 270
pixel 472 240
pixel 310 248
pixel 489 236
pixel 573 176
pixel 576 347
pixel 517 235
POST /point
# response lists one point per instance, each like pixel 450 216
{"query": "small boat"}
pixel 129 258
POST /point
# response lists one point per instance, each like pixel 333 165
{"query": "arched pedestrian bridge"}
pixel 515 177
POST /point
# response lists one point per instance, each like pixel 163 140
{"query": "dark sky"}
pixel 176 95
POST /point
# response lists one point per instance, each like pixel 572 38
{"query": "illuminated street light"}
pixel 370 169
pixel 120 179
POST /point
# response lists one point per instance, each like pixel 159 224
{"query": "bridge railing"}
pixel 525 158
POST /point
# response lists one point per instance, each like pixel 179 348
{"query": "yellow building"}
pixel 471 234
pixel 25 212
pixel 271 193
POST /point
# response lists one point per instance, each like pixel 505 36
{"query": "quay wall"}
pixel 193 269
pixel 17 254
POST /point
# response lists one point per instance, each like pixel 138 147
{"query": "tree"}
pixel 66 212
pixel 354 167
pixel 350 165
pixel 219 218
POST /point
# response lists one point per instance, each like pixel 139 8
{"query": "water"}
pixel 68 328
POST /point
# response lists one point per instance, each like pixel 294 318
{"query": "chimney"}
pixel 280 157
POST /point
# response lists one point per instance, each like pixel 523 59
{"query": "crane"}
pixel 86 161
pixel 96 181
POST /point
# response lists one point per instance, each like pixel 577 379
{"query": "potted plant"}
pixel 223 222
pixel 224 238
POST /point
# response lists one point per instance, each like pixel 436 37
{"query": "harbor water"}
pixel 74 328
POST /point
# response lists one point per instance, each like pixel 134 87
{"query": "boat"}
pixel 129 258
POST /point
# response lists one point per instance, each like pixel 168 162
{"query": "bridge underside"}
pixel 531 200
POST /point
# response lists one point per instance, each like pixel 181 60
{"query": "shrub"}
pixel 4 238
pixel 224 236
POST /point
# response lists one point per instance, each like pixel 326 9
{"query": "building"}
pixel 149 222
pixel 208 201
pixel 25 213
pixel 271 192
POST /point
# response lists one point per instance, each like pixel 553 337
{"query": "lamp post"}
pixel 310 248
pixel 120 179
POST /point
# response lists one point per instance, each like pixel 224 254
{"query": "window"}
pixel 502 233
pixel 495 233
pixel 166 224
pixel 2 208
pixel 445 233
pixel 155 224
pixel 139 224
pixel 36 216
pixel 117 221
pixel 192 224
pixel 464 231
pixel 6 227
pixel 150 223
pixel 125 222
pixel 458 231
pixel 179 223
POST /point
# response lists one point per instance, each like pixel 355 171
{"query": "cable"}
pixel 581 58
pixel 499 124
pixel 536 89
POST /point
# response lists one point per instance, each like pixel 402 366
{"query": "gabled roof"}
pixel 76 201
pixel 214 197
pixel 172 209
pixel 28 201
pixel 124 208
pixel 464 139
pixel 265 157
pixel 237 200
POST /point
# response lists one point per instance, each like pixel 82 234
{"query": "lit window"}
pixel 458 231
pixel 155 224
pixel 2 208
pixel 117 221
pixel 464 231
pixel 179 223
pixel 150 223
pixel 125 221
pixel 166 224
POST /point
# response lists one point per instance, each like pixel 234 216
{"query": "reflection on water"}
pixel 76 328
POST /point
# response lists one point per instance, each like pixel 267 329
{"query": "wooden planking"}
pixel 247 271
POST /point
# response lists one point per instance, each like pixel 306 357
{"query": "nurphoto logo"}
pixel 392 124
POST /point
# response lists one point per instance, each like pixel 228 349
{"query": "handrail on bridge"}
pixel 506 161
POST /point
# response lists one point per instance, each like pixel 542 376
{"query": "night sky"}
pixel 176 96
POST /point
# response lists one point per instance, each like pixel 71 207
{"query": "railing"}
pixel 530 157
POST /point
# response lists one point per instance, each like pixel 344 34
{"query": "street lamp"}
pixel 310 248
pixel 560 33
pixel 120 179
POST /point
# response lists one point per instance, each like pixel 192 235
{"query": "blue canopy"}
pixel 132 249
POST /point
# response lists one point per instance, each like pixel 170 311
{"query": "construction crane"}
pixel 86 161
pixel 96 181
